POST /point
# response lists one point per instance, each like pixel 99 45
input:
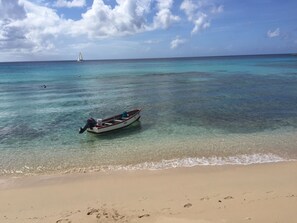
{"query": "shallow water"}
pixel 206 111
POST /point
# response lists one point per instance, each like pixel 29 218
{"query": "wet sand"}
pixel 254 193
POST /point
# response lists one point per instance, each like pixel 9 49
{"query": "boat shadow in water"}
pixel 120 133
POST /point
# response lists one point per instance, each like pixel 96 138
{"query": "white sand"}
pixel 256 193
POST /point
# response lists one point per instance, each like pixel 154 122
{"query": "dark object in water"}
pixel 90 124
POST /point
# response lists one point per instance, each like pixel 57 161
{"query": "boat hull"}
pixel 117 124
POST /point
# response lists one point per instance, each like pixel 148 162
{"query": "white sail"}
pixel 80 57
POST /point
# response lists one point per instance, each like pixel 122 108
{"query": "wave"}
pixel 161 165
pixel 204 161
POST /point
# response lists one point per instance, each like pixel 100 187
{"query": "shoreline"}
pixel 230 193
pixel 21 181
pixel 164 164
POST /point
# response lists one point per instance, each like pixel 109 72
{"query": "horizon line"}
pixel 157 58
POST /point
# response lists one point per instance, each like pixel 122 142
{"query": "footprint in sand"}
pixel 187 205
pixel 204 198
pixel 228 197
pixel 144 215
pixel 63 221
pixel 92 211
pixel 106 214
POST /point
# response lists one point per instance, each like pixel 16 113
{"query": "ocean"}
pixel 235 110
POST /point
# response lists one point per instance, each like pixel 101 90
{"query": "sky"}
pixel 33 30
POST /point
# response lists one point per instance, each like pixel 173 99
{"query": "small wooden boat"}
pixel 112 123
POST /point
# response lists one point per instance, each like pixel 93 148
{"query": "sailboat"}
pixel 80 57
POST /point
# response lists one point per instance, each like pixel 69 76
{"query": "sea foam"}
pixel 161 165
pixel 204 161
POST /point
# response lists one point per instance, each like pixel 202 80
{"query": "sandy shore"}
pixel 256 193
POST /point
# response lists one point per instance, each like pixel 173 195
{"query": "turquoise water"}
pixel 195 111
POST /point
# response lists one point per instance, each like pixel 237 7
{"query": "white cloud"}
pixel 34 30
pixel 151 41
pixel 34 26
pixel 201 22
pixel 217 9
pixel 177 42
pixel 127 17
pixel 199 13
pixel 11 10
pixel 70 4
pixel 272 34
pixel 164 17
pixel 189 8
pixel 25 25
pixel 101 20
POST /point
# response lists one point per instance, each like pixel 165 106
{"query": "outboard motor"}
pixel 90 124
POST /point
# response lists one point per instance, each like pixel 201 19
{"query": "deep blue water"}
pixel 198 108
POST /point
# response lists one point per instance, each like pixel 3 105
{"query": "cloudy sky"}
pixel 114 29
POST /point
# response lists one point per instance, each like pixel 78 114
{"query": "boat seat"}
pixel 107 123
pixel 117 120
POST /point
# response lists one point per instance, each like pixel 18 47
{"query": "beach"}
pixel 148 111
pixel 230 193
pixel 216 141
